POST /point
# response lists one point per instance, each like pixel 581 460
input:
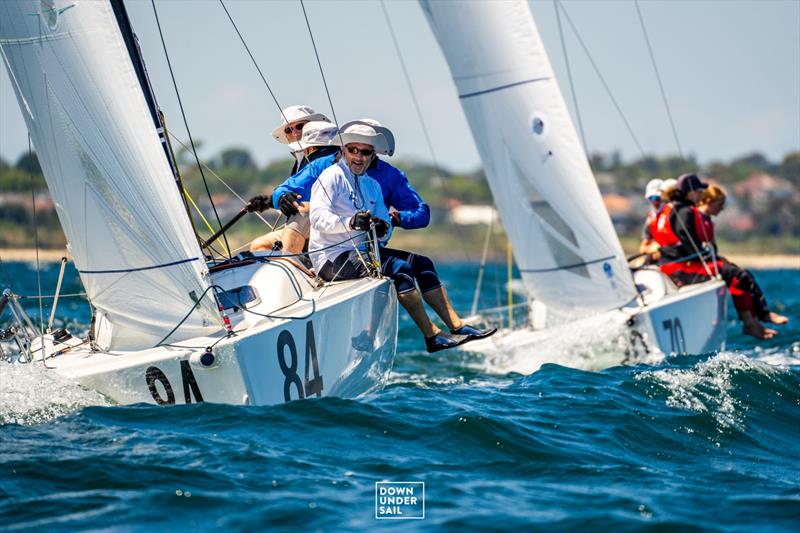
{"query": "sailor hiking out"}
pixel 346 204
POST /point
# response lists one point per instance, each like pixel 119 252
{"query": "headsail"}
pixel 564 243
pixel 104 165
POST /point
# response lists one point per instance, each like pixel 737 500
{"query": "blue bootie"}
pixel 443 341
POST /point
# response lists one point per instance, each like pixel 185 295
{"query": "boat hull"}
pixel 687 320
pixel 343 347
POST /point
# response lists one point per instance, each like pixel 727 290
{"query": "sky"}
pixel 731 72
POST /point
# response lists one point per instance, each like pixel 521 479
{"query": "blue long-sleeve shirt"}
pixel 397 191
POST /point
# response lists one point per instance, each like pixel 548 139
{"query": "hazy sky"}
pixel 731 71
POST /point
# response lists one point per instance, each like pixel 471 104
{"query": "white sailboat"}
pixel 168 327
pixel 570 259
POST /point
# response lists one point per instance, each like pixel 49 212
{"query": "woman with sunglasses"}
pixel 345 203
pixel 293 119
pixel 755 309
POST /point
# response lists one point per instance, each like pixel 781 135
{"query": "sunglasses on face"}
pixel 654 198
pixel 366 152
pixel 297 127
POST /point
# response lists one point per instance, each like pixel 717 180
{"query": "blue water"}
pixel 700 442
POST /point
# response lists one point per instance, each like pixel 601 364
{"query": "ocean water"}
pixel 698 442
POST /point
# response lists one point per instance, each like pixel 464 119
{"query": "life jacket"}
pixel 660 227
pixel 664 235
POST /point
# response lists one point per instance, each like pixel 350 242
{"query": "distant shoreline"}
pixel 788 261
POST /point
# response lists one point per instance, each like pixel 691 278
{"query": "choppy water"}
pixel 698 442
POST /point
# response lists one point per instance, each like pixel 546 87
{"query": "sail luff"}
pixel 106 169
pixel 564 243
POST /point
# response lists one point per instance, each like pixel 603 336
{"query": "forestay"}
pixel 564 243
pixel 115 195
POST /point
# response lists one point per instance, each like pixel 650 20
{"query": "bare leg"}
pixel 412 303
pixel 293 242
pixel 754 328
pixel 265 242
pixel 439 301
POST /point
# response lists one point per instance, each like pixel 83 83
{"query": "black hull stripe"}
pixel 501 87
pixel 152 267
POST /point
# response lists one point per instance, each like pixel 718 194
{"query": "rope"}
pixel 186 123
pixel 571 83
pixel 442 180
pixel 602 79
pixel 658 77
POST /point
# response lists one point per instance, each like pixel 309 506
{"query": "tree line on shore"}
pixel 765 195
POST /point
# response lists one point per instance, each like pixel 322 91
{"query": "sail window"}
pixel 238 298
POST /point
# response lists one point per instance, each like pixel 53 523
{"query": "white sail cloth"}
pixel 564 243
pixel 114 192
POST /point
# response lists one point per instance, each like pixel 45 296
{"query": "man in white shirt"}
pixel 345 202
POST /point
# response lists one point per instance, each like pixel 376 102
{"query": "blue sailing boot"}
pixel 474 333
pixel 443 341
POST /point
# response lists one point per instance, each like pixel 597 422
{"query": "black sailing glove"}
pixel 287 204
pixel 360 221
pixel 259 203
pixel 381 226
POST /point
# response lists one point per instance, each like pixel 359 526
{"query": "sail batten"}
pixel 113 188
pixel 564 242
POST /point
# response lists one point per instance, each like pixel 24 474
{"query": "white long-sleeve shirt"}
pixel 335 197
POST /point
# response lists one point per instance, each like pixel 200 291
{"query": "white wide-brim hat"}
pixel 386 132
pixel 354 132
pixel 316 133
pixel 292 114
pixel 653 188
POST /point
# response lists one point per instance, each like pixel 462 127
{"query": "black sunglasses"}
pixel 297 127
pixel 366 152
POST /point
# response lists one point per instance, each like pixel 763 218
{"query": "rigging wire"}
pixel 560 4
pixel 36 246
pixel 658 77
pixel 442 180
pixel 319 63
pixel 186 124
pixel 571 83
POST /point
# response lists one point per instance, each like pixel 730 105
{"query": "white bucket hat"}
pixel 316 133
pixel 355 132
pixel 292 114
pixel 377 126
pixel 653 188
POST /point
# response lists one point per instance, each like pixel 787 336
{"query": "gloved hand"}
pixel 360 220
pixel 381 226
pixel 287 204
pixel 395 216
pixel 259 203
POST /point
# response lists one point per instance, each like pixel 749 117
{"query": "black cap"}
pixel 690 182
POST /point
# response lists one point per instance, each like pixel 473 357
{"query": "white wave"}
pixel 708 385
pixel 30 394
pixel 593 343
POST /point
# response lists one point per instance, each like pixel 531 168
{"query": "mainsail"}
pixel 564 242
pixel 112 185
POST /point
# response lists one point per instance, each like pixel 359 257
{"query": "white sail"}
pixel 564 243
pixel 115 195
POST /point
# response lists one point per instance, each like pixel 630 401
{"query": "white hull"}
pixel 687 320
pixel 307 351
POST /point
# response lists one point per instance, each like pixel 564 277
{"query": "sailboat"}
pixel 570 259
pixel 168 326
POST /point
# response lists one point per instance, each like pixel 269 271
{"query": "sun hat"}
pixel 316 133
pixel 668 184
pixel 690 182
pixel 292 114
pixel 377 126
pixel 653 188
pixel 362 133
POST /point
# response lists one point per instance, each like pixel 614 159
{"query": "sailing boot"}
pixel 473 333
pixel 444 341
